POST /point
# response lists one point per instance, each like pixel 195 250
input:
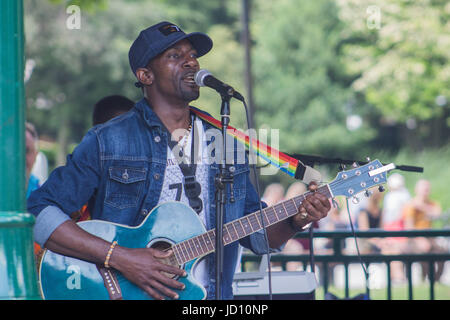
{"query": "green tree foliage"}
pixel 74 68
pixel 202 15
pixel 402 56
pixel 301 85
pixel 226 62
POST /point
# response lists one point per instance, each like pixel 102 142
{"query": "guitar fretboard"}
pixel 232 231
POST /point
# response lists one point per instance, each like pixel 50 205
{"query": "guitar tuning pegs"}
pixel 355 200
pixel 368 193
pixel 381 189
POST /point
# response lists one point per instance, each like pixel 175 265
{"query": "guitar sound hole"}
pixel 163 245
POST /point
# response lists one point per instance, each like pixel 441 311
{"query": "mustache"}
pixel 188 74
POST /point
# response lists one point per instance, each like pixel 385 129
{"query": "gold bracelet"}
pixel 108 256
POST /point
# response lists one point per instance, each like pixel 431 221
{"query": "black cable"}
pixel 249 126
pixel 311 249
pixel 366 273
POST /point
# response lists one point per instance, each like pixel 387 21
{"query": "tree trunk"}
pixel 63 138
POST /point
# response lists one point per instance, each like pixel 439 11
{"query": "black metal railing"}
pixel 338 256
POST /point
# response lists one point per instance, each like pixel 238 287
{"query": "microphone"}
pixel 204 78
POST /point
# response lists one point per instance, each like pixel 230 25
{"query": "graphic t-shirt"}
pixel 173 189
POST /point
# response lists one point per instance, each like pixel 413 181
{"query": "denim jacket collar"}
pixel 147 113
pixel 152 119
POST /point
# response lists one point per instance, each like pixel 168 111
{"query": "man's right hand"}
pixel 145 267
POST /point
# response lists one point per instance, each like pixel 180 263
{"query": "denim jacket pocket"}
pixel 125 186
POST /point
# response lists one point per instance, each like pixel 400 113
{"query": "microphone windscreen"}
pixel 200 77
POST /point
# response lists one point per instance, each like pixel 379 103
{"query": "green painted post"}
pixel 18 278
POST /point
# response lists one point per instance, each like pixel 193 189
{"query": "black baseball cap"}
pixel 158 38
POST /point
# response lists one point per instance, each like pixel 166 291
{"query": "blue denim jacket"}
pixel 122 163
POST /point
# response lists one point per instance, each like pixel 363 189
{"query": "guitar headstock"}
pixel 351 182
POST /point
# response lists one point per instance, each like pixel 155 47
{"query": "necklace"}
pixel 186 138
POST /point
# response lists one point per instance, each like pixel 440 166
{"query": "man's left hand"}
pixel 313 208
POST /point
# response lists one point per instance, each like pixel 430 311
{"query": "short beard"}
pixel 190 96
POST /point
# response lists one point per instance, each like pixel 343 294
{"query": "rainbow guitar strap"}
pixel 280 160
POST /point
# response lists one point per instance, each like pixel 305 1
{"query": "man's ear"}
pixel 145 76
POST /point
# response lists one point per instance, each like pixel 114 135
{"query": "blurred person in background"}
pixel 394 200
pixel 110 107
pixel 273 194
pixel 419 213
pixel 396 197
pixel 370 217
pixel 296 246
pixel 31 152
pixel 337 219
pixel 40 167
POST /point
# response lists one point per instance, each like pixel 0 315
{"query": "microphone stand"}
pixel 221 180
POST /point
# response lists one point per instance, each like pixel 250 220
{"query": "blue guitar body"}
pixel 68 278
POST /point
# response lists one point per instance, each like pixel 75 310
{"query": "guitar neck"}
pixel 232 231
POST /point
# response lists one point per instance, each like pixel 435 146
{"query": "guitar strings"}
pixel 175 261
